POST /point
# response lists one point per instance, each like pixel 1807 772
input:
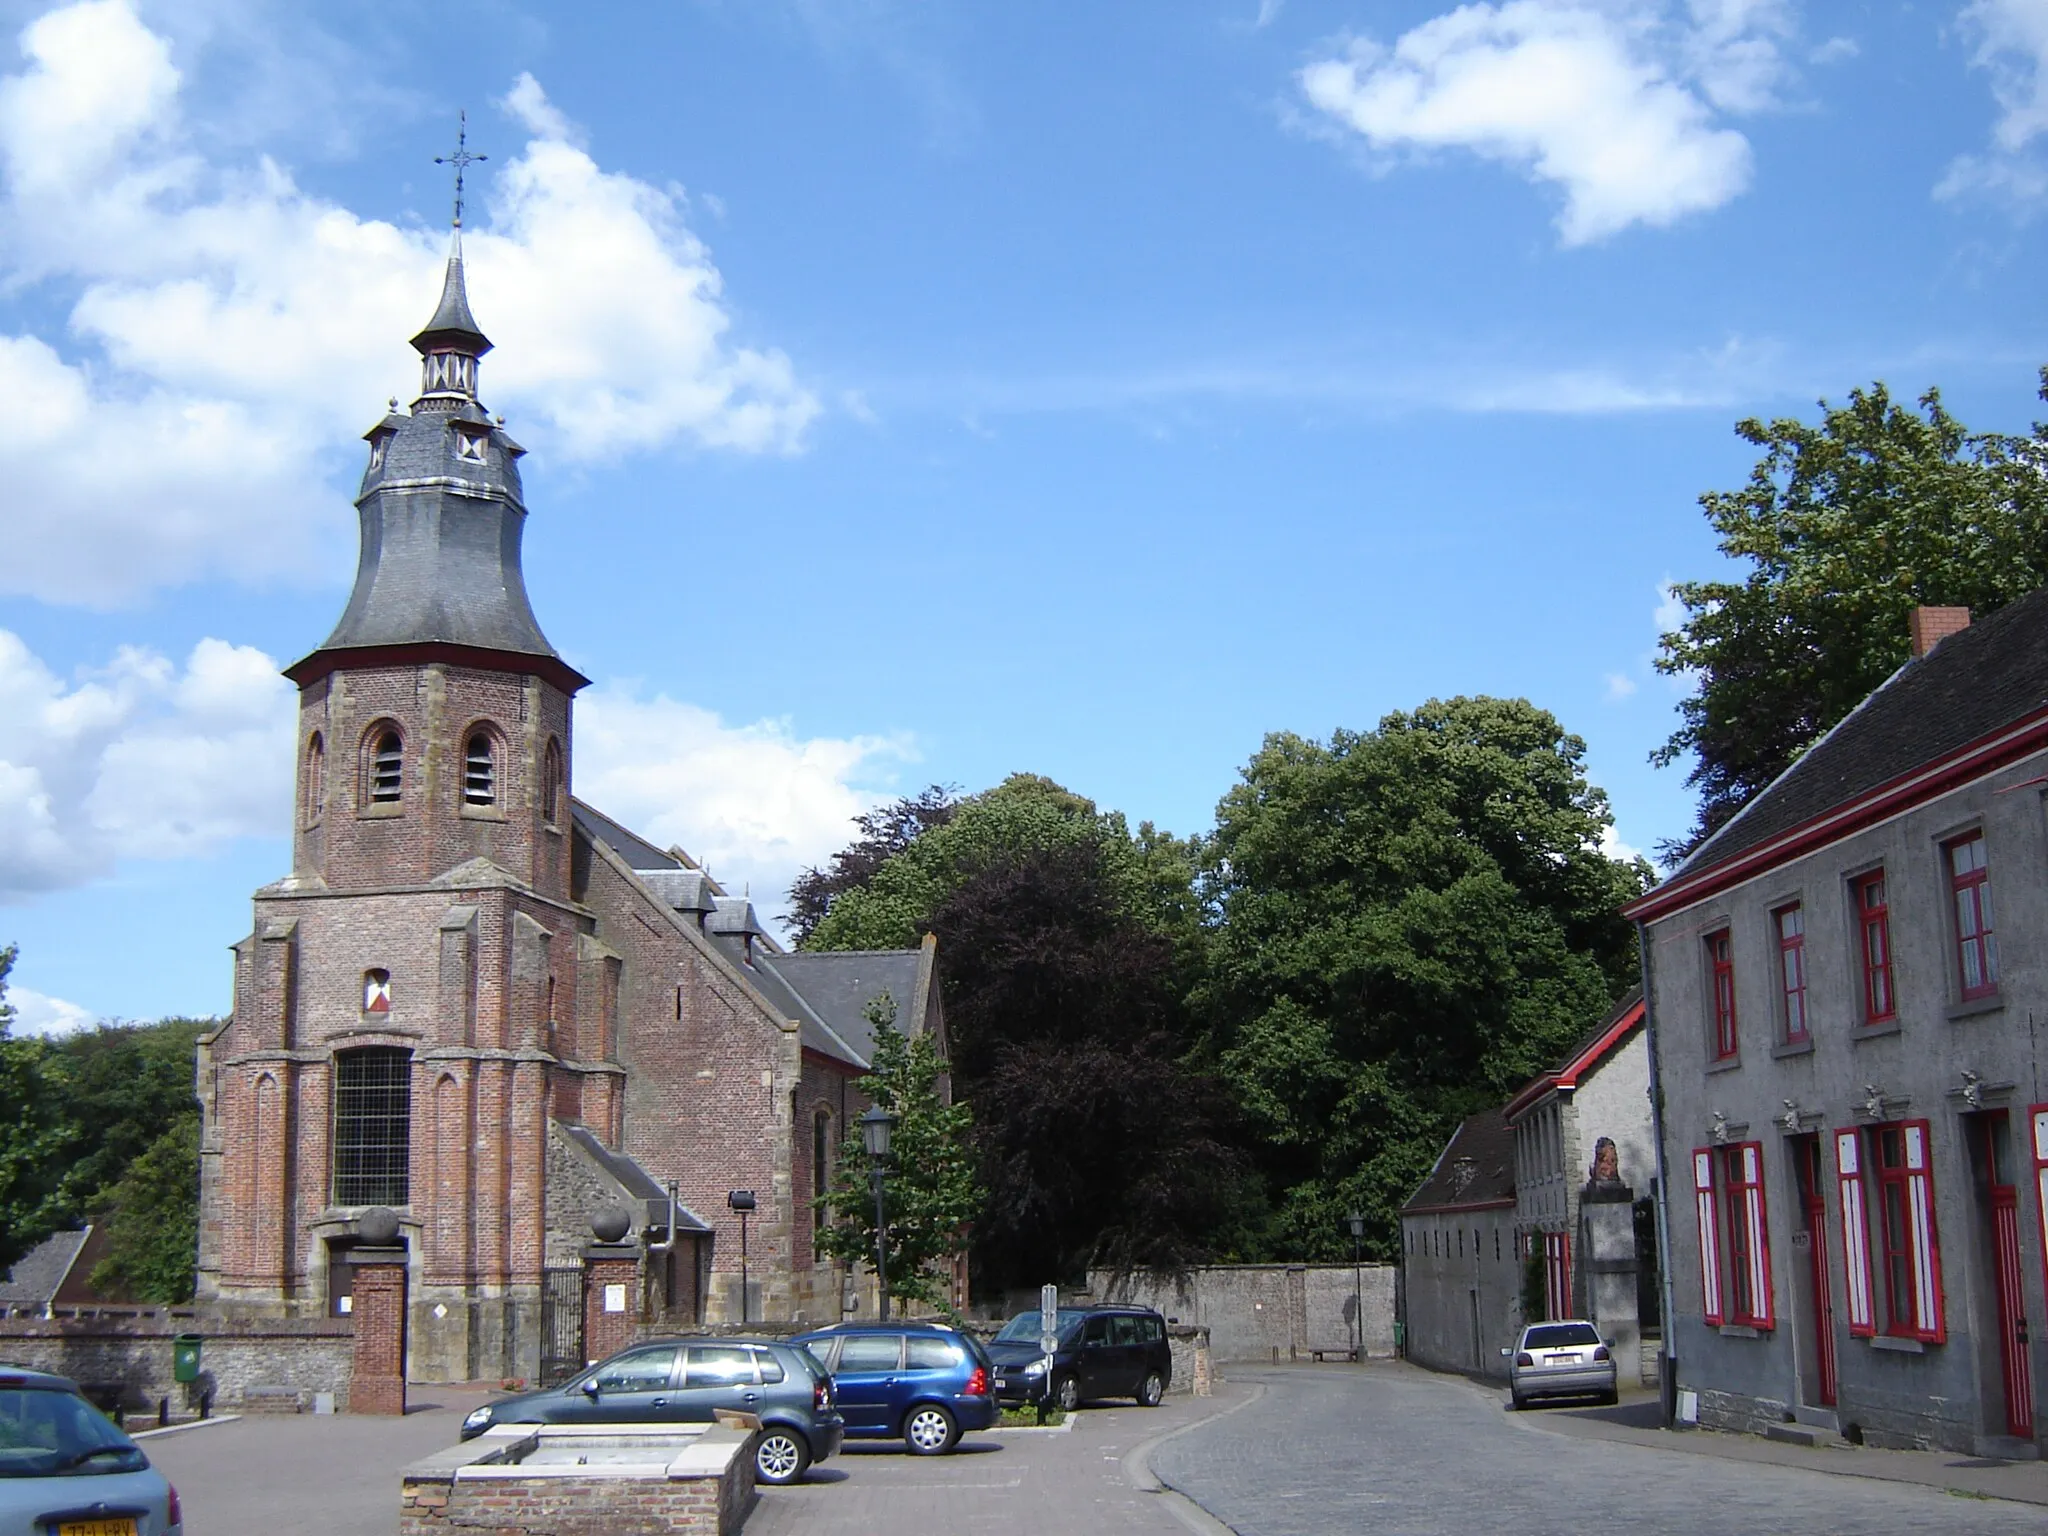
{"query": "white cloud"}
pixel 1619 686
pixel 1612 845
pixel 1616 102
pixel 1269 12
pixel 142 758
pixel 1835 50
pixel 35 1013
pixel 1670 614
pixel 231 334
pixel 756 803
pixel 2011 39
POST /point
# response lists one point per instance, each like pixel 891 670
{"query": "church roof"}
pixel 838 985
pixel 635 1182
pixel 639 854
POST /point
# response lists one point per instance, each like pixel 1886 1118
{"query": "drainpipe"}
pixel 1667 1359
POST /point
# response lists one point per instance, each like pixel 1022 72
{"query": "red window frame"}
pixel 1975 932
pixel 1721 973
pixel 1855 1232
pixel 1788 924
pixel 1874 917
pixel 1909 1247
pixel 1747 1269
pixel 2037 1125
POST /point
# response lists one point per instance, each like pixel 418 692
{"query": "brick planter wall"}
pixel 460 1493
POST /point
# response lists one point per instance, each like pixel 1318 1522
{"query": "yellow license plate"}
pixel 121 1527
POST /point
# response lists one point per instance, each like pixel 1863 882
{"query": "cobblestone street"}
pixel 1393 1449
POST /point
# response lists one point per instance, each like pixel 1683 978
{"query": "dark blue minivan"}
pixel 922 1383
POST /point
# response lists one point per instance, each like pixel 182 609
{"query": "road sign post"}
pixel 1048 1341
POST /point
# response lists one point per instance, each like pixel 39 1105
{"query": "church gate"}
pixel 561 1326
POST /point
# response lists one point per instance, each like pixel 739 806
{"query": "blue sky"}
pixel 930 392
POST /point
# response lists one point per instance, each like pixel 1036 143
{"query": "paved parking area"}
pixel 339 1476
pixel 999 1484
pixel 335 1474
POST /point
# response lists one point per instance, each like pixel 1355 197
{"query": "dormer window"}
pixel 470 447
pixel 377 450
pixel 387 766
pixel 479 770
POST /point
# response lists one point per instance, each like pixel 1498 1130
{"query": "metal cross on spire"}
pixel 462 160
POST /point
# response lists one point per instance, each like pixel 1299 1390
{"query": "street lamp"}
pixel 1356 1221
pixel 875 1127
pixel 742 1201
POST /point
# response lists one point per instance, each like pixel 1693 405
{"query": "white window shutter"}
pixel 1855 1233
pixel 1710 1237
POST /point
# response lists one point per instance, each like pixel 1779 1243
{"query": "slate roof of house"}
pixel 1476 1168
pixel 1973 684
pixel 37 1274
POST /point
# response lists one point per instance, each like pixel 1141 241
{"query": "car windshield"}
pixel 1553 1335
pixel 57 1434
pixel 1025 1327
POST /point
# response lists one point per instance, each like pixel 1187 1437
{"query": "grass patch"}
pixel 1027 1418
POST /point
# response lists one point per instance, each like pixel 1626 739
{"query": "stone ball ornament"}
pixel 378 1226
pixel 611 1224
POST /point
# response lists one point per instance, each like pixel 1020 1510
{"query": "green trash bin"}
pixel 185 1357
pixel 1401 1339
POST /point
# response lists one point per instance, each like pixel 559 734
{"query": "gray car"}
pixel 686 1381
pixel 66 1471
pixel 1561 1359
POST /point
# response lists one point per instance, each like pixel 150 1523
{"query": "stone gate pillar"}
pixel 611 1298
pixel 1607 1248
pixel 378 1312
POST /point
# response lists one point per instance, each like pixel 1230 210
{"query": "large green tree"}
pixel 31 1137
pixel 1843 527
pixel 1068 946
pixel 1409 922
pixel 929 1197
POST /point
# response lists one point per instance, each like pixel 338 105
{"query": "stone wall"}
pixel 1270 1311
pixel 247 1365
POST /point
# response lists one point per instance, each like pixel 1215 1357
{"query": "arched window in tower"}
pixel 386 766
pixel 377 991
pixel 479 769
pixel 313 781
pixel 372 1125
pixel 551 784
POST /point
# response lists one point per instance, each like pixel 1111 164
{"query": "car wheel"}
pixel 780 1456
pixel 1521 1402
pixel 930 1430
pixel 1150 1390
pixel 1611 1398
pixel 1066 1392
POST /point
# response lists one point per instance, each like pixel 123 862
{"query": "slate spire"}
pixel 443 515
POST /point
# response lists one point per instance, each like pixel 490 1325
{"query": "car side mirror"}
pixel 590 1388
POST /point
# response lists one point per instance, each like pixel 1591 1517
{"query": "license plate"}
pixel 1560 1359
pixel 121 1527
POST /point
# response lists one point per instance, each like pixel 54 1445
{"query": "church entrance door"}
pixel 561 1326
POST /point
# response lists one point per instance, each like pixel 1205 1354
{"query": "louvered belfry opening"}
pixel 387 767
pixel 479 770
pixel 372 1125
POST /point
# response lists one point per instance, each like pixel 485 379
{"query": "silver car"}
pixel 66 1471
pixel 1562 1359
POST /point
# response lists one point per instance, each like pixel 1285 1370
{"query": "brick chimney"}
pixel 1931 626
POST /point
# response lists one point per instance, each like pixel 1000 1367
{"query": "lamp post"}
pixel 1356 1221
pixel 742 1201
pixel 875 1127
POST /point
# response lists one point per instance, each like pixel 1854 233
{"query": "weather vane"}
pixel 462 160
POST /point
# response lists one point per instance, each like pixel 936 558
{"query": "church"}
pixel 483 1011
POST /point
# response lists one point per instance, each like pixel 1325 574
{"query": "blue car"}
pixel 64 1468
pixel 922 1383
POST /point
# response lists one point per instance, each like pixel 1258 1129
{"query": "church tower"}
pixel 407 1020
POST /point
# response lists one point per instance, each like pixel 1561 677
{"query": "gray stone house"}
pixel 1459 1271
pixel 1845 1029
